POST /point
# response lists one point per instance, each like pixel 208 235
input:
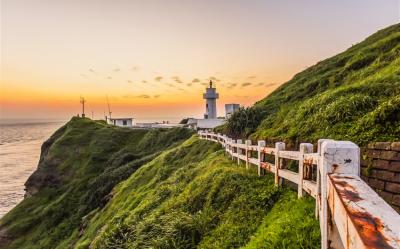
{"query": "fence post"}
pixel 233 141
pixel 336 157
pixel 238 150
pixel 248 143
pixel 318 194
pixel 278 161
pixel 305 148
pixel 261 145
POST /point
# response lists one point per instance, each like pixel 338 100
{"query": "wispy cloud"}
pixel 142 96
pixel 195 80
pixel 108 77
pixel 116 70
pixel 177 79
pixel 189 84
pixel 252 77
pixel 129 81
pixel 158 78
pixel 156 96
pixel 214 79
pixel 246 84
pixel 92 71
pixel 232 85
pixel 265 84
pixel 144 81
pixel 135 68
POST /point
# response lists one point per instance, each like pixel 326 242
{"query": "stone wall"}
pixel 380 168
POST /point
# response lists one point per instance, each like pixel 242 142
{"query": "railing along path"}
pixel 351 214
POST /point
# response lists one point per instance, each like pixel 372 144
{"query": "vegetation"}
pixel 194 197
pixel 353 96
pixel 79 166
pixel 191 195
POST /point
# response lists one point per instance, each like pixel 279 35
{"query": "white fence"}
pixel 351 214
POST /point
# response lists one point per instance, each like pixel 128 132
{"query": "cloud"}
pixel 177 79
pixel 214 79
pixel 189 84
pixel 116 70
pixel 252 77
pixel 204 84
pixel 156 96
pixel 83 75
pixel 265 84
pixel 144 81
pixel 142 96
pixel 195 80
pixel 170 84
pixel 158 78
pixel 129 81
pixel 232 85
pixel 135 68
pixel 92 71
pixel 108 77
pixel 246 84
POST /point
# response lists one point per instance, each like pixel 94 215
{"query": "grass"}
pixel 79 166
pixel 351 96
pixel 192 196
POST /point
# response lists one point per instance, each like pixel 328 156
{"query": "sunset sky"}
pixel 152 58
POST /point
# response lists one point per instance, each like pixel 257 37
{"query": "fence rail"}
pixel 351 214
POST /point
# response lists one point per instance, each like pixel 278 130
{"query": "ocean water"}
pixel 20 144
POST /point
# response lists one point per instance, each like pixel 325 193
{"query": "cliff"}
pixel 99 186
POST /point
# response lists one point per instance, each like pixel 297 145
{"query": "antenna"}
pixel 83 101
pixel 109 109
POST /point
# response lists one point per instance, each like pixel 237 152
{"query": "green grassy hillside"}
pixel 79 166
pixel 99 187
pixel 354 95
pixel 192 196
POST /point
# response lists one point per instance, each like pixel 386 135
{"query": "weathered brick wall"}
pixel 380 168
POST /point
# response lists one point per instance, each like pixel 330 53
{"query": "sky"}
pixel 153 59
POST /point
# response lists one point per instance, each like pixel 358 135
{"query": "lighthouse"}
pixel 211 97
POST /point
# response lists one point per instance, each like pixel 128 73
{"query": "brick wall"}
pixel 380 168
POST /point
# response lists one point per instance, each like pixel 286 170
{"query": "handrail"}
pixel 351 214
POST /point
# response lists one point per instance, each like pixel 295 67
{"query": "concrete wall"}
pixel 380 168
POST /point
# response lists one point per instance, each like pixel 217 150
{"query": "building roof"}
pixel 120 118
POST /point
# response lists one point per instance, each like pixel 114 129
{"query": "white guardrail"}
pixel 351 214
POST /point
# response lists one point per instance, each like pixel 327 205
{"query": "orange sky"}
pixel 152 58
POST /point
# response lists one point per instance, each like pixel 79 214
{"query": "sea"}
pixel 20 143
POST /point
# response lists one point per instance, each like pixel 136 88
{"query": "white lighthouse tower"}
pixel 211 97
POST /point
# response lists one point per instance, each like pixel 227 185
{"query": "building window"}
pixel 124 122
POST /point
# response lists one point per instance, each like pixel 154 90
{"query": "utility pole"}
pixel 83 101
pixel 109 109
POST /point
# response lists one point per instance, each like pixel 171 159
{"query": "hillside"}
pixel 354 95
pixel 79 165
pixel 106 187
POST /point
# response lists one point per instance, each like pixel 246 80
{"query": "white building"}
pixel 230 109
pixel 121 122
pixel 211 97
pixel 204 124
pixel 210 120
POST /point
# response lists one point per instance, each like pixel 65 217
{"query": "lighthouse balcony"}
pixel 211 95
